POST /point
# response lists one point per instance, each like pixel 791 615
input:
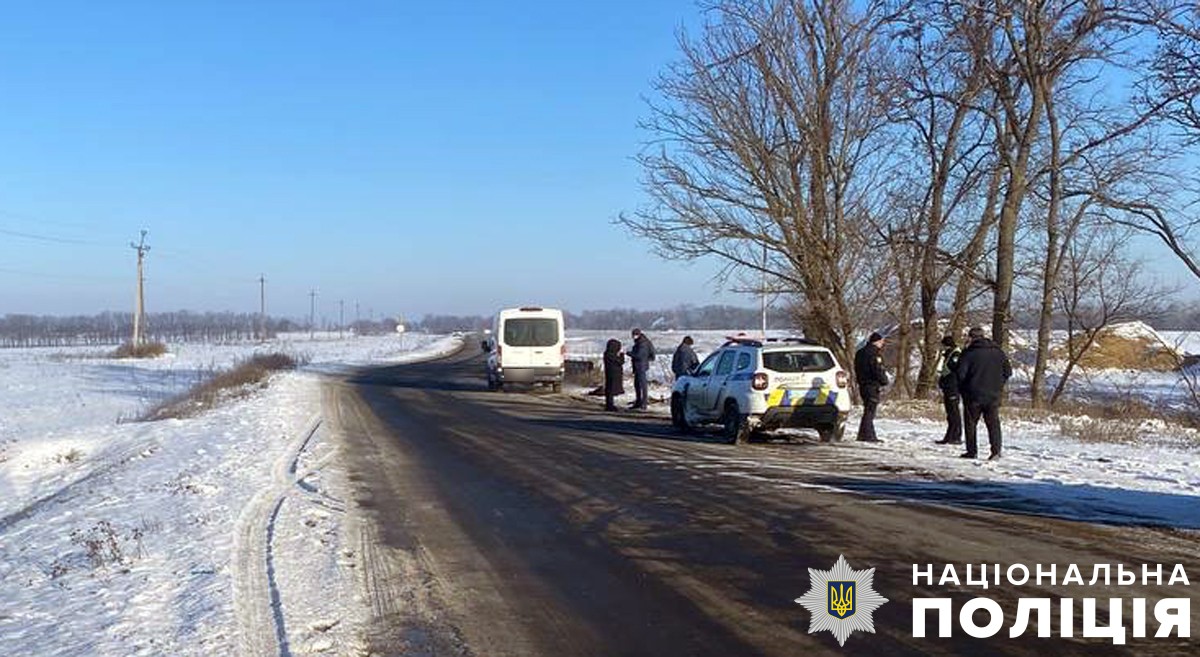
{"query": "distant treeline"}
pixel 712 317
pixel 113 328
pixel 1178 317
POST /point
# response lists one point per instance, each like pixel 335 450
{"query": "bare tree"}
pixel 1171 87
pixel 769 135
pixel 1039 49
pixel 943 83
pixel 1102 287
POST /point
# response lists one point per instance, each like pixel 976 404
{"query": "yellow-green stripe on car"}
pixel 817 396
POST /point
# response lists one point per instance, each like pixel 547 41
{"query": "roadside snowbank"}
pixel 119 539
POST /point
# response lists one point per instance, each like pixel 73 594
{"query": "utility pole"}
pixel 262 308
pixel 341 317
pixel 139 313
pixel 312 312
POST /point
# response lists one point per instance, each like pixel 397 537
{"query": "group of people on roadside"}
pixel 971 381
pixel 640 355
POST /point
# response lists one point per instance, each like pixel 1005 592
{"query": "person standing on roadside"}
pixel 685 359
pixel 614 371
pixel 640 356
pixel 983 370
pixel 871 378
pixel 948 384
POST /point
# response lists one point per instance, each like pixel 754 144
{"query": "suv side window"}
pixel 726 364
pixel 744 360
pixel 706 368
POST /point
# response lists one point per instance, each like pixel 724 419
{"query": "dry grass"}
pixel 913 409
pixel 245 377
pixel 1122 420
pixel 144 350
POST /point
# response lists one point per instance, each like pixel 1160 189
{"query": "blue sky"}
pixel 412 157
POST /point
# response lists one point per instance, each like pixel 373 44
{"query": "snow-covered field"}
pixel 128 538
pixel 132 538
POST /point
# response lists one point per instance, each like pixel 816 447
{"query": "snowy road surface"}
pixel 524 524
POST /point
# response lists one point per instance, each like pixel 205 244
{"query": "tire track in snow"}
pixel 257 602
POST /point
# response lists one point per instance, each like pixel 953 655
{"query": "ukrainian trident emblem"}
pixel 841 600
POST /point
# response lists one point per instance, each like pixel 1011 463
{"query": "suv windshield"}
pixel 797 361
pixel 534 332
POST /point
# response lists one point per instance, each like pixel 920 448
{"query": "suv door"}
pixel 714 386
pixel 693 398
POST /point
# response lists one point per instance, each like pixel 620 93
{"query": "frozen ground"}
pixel 201 536
pixel 149 538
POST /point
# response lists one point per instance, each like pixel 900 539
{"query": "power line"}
pixel 47 238
pixel 58 277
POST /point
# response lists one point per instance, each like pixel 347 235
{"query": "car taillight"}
pixel 563 351
pixel 759 382
pixel 842 379
pixel 497 350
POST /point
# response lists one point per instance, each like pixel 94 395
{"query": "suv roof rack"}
pixel 806 341
pixel 755 342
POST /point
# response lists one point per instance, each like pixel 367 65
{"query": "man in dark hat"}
pixel 983 370
pixel 871 377
pixel 948 384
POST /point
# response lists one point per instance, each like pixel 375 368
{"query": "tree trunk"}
pixel 1052 257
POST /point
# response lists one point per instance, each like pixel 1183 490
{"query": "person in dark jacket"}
pixel 614 370
pixel 983 370
pixel 685 359
pixel 640 356
pixel 948 383
pixel 871 378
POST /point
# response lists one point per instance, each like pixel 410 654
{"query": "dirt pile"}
pixel 1128 346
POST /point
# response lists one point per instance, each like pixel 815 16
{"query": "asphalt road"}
pixel 531 524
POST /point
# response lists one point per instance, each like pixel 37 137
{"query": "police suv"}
pixel 752 386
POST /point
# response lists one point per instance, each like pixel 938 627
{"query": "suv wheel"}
pixel 678 415
pixel 736 425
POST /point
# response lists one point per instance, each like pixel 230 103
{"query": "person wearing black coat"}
pixel 640 356
pixel 871 378
pixel 685 359
pixel 983 370
pixel 614 368
pixel 948 384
